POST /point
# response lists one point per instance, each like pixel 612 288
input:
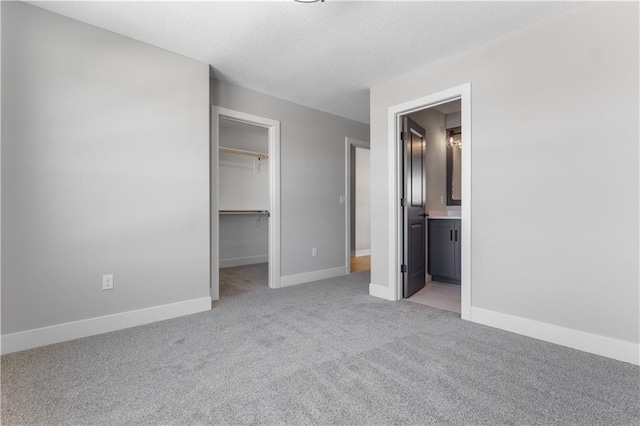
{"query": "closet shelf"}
pixel 260 155
pixel 245 212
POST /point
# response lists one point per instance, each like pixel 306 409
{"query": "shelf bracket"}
pixel 256 165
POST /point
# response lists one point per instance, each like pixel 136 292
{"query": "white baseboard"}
pixel 365 252
pixel 289 280
pixel 587 342
pixel 380 291
pixel 74 330
pixel 241 261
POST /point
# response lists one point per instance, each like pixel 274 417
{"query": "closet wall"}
pixel 244 185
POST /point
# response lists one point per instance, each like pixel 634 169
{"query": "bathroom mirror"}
pixel 454 167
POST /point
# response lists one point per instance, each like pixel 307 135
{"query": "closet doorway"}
pixel 245 197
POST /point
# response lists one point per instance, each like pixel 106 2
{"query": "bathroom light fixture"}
pixel 452 141
pixel 309 1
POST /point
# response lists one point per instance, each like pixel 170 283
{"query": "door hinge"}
pixel 403 202
pixel 403 136
pixel 403 268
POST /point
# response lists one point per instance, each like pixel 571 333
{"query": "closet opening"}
pixel 245 203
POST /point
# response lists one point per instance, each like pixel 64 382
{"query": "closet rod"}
pixel 243 152
pixel 245 212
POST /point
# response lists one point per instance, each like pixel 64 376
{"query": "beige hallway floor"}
pixel 361 263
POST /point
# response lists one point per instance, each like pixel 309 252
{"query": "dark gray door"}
pixel 414 200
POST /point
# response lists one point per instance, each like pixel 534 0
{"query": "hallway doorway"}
pixel 358 205
pixel 360 263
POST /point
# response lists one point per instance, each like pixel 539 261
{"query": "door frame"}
pixel 395 114
pixel 273 130
pixel 348 143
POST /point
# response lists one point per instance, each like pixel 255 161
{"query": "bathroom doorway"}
pixel 432 186
pixel 431 163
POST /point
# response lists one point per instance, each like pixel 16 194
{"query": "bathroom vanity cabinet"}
pixel 444 250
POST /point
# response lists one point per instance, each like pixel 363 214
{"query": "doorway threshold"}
pixel 439 295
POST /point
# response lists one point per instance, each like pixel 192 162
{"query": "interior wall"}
pixel 362 202
pixel 544 101
pixel 105 147
pixel 453 120
pixel 244 240
pixel 312 176
pixel 432 121
pixel 240 187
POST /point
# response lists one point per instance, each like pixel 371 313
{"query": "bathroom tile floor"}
pixel 439 295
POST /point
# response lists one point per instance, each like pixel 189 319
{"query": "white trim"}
pixel 306 277
pixel 382 291
pixel 273 127
pixel 348 143
pixel 587 342
pixel 395 279
pixel 74 330
pixel 365 252
pixel 241 261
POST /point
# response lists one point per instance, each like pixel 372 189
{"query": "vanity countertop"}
pixel 440 216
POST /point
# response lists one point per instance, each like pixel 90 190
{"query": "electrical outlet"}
pixel 314 252
pixel 442 199
pixel 343 199
pixel 107 282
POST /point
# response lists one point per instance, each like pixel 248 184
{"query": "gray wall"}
pixel 312 175
pixel 453 120
pixel 545 100
pixel 243 239
pixel 432 122
pixel 105 147
pixel 240 187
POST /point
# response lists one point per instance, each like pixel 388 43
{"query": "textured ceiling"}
pixel 323 55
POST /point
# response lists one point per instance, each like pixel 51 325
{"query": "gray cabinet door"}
pixel 441 249
pixel 457 240
pixel 444 250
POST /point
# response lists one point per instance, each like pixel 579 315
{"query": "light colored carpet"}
pixel 319 353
